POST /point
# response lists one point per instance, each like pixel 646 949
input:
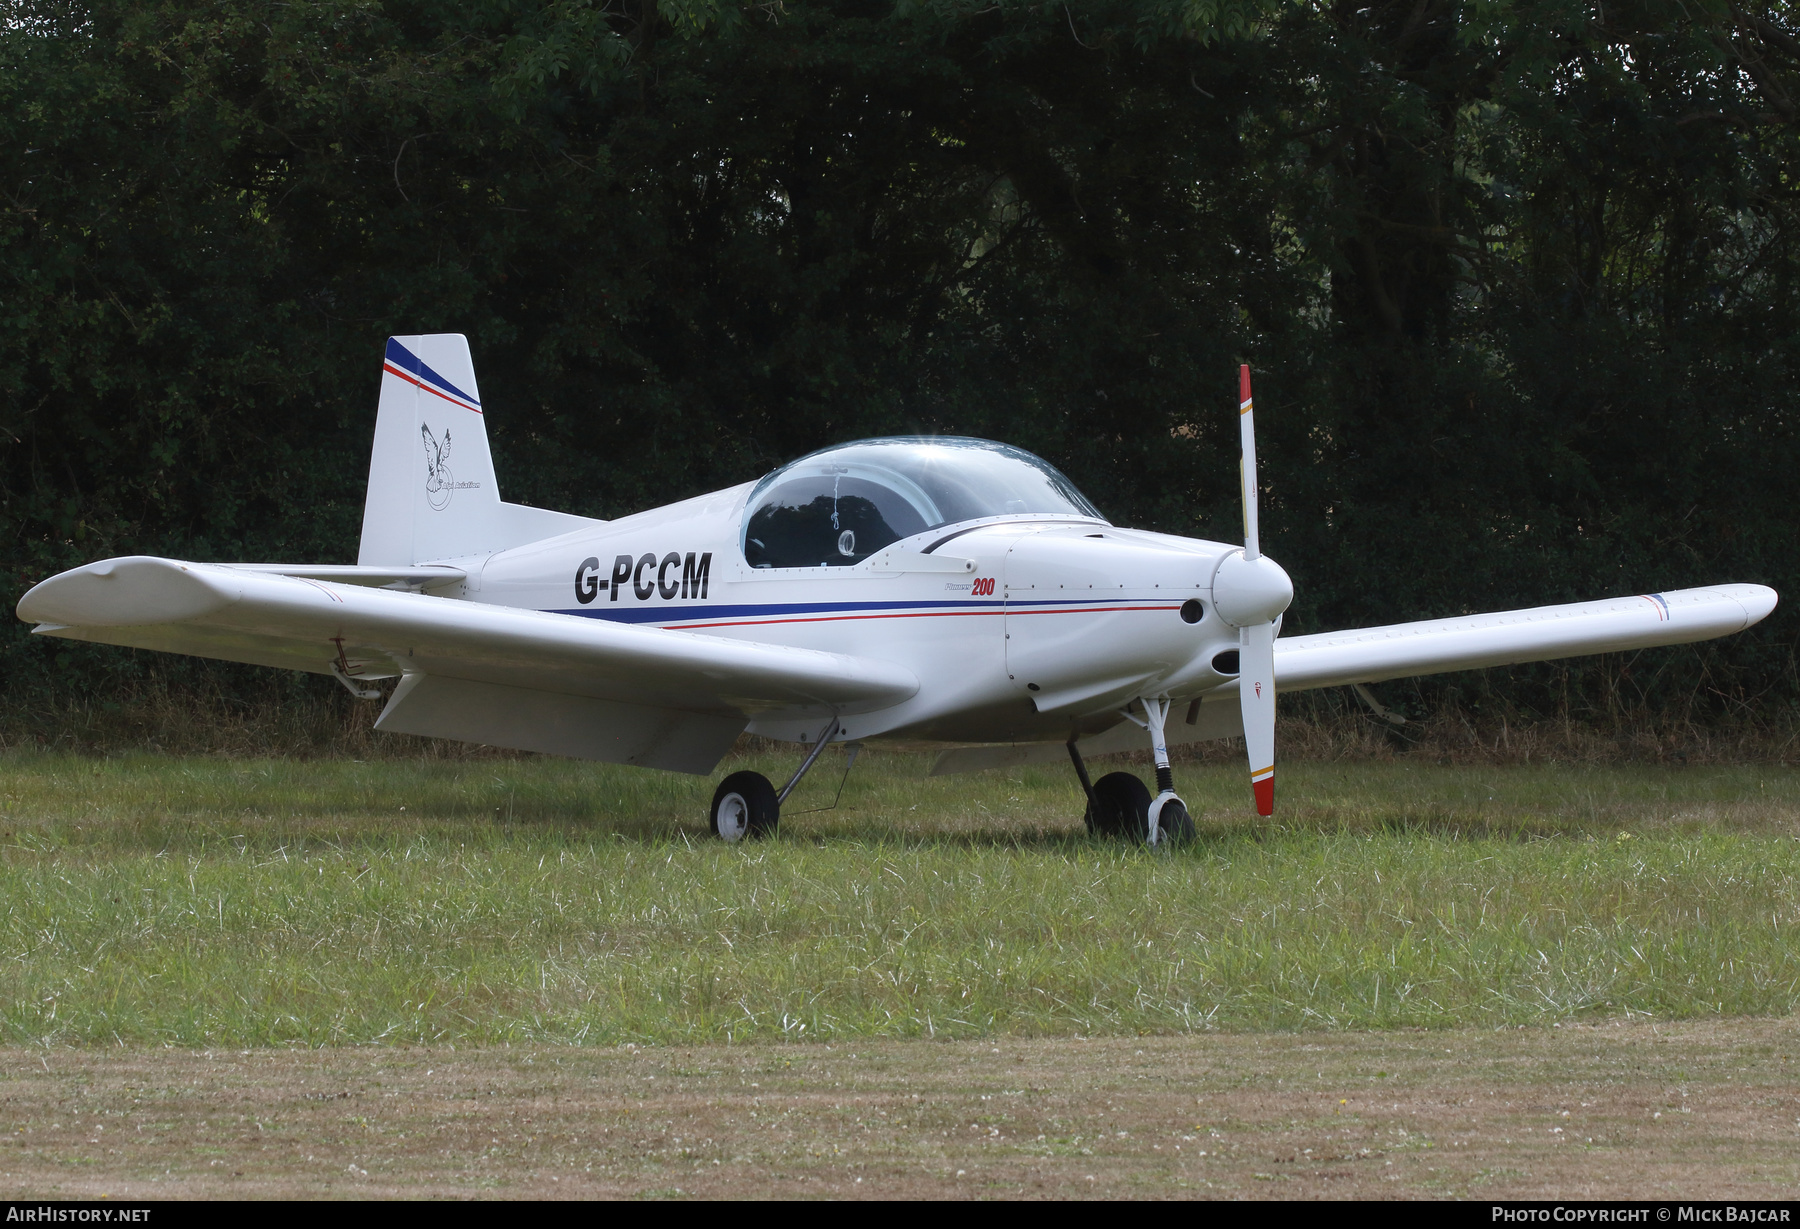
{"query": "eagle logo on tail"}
pixel 439 482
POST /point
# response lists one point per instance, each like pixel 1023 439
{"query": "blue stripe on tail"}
pixel 406 360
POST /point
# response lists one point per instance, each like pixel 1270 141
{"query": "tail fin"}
pixel 432 493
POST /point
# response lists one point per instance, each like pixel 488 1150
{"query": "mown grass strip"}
pixel 222 902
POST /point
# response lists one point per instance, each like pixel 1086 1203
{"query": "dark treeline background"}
pixel 1518 278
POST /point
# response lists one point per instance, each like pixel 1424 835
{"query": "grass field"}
pixel 527 902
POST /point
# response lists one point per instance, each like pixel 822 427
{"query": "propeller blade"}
pixel 1256 641
pixel 1247 467
pixel 1256 697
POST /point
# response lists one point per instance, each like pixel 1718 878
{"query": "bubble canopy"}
pixel 838 506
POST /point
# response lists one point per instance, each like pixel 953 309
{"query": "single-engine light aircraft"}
pixel 914 590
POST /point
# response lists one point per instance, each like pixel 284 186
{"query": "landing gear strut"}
pixel 1167 818
pixel 1087 786
pixel 746 804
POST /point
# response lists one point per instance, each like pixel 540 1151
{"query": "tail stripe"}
pixel 401 362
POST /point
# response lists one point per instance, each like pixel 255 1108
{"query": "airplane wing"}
pixel 1430 646
pixel 1543 633
pixel 491 674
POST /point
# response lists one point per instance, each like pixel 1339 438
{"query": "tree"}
pixel 1498 264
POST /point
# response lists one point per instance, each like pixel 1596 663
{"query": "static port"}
pixel 1226 662
pixel 1031 687
pixel 1192 611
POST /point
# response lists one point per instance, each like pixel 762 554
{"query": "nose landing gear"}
pixel 1119 805
pixel 1167 818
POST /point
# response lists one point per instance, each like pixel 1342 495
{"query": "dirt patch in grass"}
pixel 1638 1110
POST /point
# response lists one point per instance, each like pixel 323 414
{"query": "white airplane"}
pixel 909 590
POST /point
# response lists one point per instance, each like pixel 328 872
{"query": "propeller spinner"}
pixel 1250 591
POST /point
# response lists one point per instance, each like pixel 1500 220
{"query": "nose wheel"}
pixel 1171 820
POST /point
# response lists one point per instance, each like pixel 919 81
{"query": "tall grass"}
pixel 256 902
pixel 285 715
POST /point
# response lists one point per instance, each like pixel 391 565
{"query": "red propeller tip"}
pixel 1265 795
pixel 1243 383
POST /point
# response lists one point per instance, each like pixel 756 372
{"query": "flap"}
pixel 576 726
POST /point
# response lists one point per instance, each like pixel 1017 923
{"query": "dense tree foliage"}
pixel 1518 276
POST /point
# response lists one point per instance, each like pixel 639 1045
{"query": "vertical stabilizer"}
pixel 432 493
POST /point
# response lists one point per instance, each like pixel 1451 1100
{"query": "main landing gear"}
pixel 747 805
pixel 1119 805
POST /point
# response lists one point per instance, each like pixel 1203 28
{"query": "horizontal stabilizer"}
pixel 420 579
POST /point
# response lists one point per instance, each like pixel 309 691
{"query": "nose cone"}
pixel 1248 592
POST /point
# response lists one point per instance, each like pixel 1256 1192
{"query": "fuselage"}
pixel 1024 627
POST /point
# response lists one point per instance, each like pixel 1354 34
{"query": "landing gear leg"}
pixel 1087 786
pixel 812 757
pixel 746 805
pixel 1168 818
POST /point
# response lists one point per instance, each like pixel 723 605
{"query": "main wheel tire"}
pixel 744 805
pixel 1174 826
pixel 1120 807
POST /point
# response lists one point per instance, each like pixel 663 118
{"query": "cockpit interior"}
pixel 838 506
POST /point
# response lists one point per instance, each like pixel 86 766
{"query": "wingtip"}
pixel 1758 602
pixel 127 591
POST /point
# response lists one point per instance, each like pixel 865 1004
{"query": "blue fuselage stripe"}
pixel 684 614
